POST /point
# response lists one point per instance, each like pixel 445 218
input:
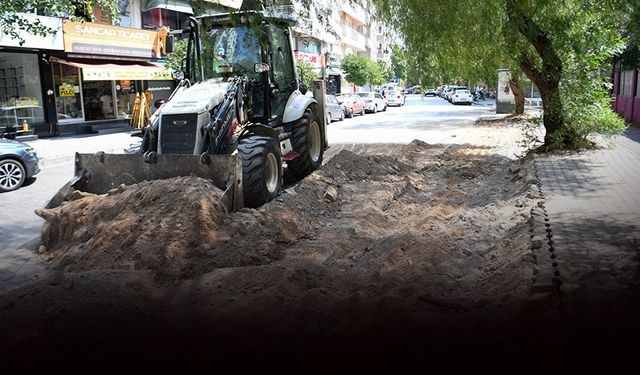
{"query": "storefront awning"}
pixel 178 6
pixel 103 70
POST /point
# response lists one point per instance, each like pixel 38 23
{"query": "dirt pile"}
pixel 175 228
pixel 403 243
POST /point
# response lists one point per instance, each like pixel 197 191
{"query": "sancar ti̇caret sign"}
pixel 97 39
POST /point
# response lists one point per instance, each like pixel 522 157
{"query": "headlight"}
pixel 32 153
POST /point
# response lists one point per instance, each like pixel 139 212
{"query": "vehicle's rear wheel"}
pixel 307 141
pixel 12 175
pixel 261 170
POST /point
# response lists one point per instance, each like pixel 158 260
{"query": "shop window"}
pixel 66 81
pixel 126 96
pixel 97 98
pixel 20 89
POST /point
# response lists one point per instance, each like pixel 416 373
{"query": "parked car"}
pixel 18 162
pixel 373 102
pixel 430 92
pixel 395 98
pixel 352 104
pixel 462 96
pixel 336 113
pixel 451 90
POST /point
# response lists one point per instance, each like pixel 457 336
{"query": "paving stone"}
pixel 594 213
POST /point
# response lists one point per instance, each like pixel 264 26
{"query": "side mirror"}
pixel 169 47
pixel 158 103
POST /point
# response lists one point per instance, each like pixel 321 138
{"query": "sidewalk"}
pixel 593 209
pixel 59 149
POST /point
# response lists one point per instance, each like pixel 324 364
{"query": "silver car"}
pixel 336 112
pixel 18 162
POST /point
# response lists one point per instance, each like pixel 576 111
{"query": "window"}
pixel 20 90
pixel 66 83
pixel 238 48
pixel 380 31
pixel 638 85
pixel 283 74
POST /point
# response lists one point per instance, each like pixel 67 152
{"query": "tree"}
pixel 356 69
pixel 376 76
pixel 309 74
pixel 545 40
pixel 175 59
pixel 387 72
pixel 398 62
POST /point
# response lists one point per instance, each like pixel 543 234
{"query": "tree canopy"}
pixel 361 70
pixel 562 46
pixel 11 23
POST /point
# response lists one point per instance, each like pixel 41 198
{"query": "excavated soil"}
pixel 427 240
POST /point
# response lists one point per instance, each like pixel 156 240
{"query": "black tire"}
pixel 308 143
pixel 384 109
pixel 12 175
pixel 261 170
pixel 350 114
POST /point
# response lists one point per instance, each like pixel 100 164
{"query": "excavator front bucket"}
pixel 98 173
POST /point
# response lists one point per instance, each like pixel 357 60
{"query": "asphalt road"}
pixel 428 119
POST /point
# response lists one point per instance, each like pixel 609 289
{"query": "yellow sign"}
pixel 26 101
pixel 67 90
pixel 132 74
pixel 99 39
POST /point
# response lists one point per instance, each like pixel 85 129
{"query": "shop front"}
pixel 24 98
pixel 93 91
pixel 96 82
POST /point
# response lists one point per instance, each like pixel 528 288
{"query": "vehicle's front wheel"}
pixel 261 170
pixel 350 115
pixel 12 175
pixel 307 141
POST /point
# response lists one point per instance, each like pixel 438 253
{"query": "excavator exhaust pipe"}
pixel 98 173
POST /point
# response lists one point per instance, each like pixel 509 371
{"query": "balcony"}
pixel 353 38
pixel 355 11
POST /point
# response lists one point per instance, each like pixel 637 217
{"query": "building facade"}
pixel 85 76
pixel 626 93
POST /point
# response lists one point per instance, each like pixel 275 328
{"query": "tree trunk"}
pixel 514 85
pixel 553 115
pixel 545 76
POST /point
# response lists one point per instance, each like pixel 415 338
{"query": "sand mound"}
pixel 175 228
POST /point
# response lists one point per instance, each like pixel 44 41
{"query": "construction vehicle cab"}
pixel 240 106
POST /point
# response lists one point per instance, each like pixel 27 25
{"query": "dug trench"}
pixel 427 245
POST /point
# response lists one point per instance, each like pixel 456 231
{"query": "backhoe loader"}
pixel 239 112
